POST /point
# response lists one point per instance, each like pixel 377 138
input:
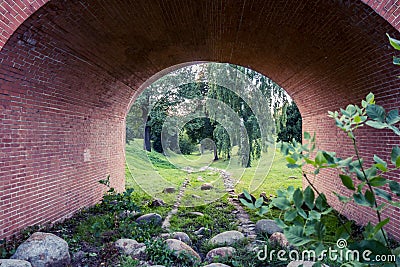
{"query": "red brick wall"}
pixel 68 71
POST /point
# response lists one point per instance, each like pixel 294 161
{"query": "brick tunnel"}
pixel 70 68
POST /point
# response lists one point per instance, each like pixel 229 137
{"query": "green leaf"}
pixel 247 195
pixel 296 236
pixel 250 205
pixel 307 136
pixel 343 199
pixel 359 198
pixel 290 160
pixel 376 113
pixel 395 187
pixel 347 181
pixel 302 213
pixel 320 159
pixel 298 198
pixel 378 181
pixel 393 117
pixel 281 203
pixel 394 42
pixel 396 60
pixel 376 124
pixel 263 210
pixel 380 225
pixel 383 194
pixel 259 202
pixel 321 202
pixel 314 215
pixel 309 197
pixel 343 231
pixel 290 215
pixel 395 155
pixel 370 197
pixel 370 98
pixel 394 129
pixel 378 160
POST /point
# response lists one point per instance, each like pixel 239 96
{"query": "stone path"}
pixel 246 226
pixel 166 224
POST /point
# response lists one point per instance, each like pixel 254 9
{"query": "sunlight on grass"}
pixel 152 172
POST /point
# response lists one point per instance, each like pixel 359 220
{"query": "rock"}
pixel 195 213
pixel 267 227
pixel 280 240
pixel 179 236
pixel 216 265
pixel 200 179
pixel 169 190
pixel 196 196
pixel 304 263
pixel 179 247
pixel 14 263
pixel 292 177
pixel 201 231
pixel 227 238
pixel 206 186
pixel 131 247
pixel 222 252
pixel 44 249
pixel 157 203
pixel 151 217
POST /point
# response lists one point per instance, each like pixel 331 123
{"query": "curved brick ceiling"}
pixel 70 68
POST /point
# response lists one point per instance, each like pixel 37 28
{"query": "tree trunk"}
pixel 215 152
pixel 147 144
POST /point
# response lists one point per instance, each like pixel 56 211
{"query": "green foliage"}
pixel 303 209
pixel 127 261
pixel 288 123
pixel 160 254
pixel 396 45
pixel 186 146
pixel 117 202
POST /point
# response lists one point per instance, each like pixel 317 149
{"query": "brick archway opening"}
pixel 69 70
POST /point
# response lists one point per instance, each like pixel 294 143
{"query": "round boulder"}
pixel 267 227
pixel 44 249
pixel 178 235
pixel 222 252
pixel 14 263
pixel 179 247
pixel 226 238
pixel 130 247
pixel 150 218
pixel 279 239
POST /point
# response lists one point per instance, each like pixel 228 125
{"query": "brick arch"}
pixel 69 70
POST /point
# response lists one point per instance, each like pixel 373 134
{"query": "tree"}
pixel 289 123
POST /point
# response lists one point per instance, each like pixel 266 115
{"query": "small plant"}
pixel 302 210
pixel 127 261
pixel 117 202
pixel 160 254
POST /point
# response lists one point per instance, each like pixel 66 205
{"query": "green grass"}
pixel 151 172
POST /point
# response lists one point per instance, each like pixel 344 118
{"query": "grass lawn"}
pixel 151 172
